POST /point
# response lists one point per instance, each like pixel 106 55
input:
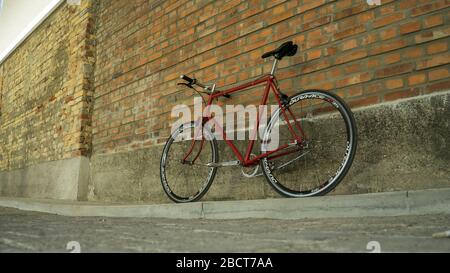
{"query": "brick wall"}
pixel 46 91
pixel 366 54
pixel 124 58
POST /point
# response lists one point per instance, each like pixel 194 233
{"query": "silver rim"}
pixel 211 172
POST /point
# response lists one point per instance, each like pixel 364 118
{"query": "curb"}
pixel 436 201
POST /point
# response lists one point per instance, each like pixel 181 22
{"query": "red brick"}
pixel 433 21
pixel 364 102
pixel 349 11
pixel 372 63
pixel 315 66
pixel 394 83
pixel 350 44
pixel 208 62
pixel 434 61
pixel 388 20
pixel 349 32
pixel 279 9
pixel 354 79
pixel 438 74
pixel 316 23
pixel 141 131
pixel 127 120
pixel 314 54
pixel 388 33
pixel 374 88
pixel 427 8
pixel 401 94
pixel 410 27
pixel 309 5
pixel 367 16
pixel 279 17
pixel 413 53
pixel 331 51
pixel 335 72
pixel 355 55
pixel 386 47
pixel 439 86
pixel 437 48
pixel 416 79
pixel 344 4
pixel 394 70
pixel 353 68
pixel 355 91
pixel 392 58
pixel 406 4
pixel 431 35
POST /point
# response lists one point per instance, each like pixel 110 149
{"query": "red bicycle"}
pixel 306 149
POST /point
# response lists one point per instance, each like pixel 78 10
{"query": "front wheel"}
pixel 316 132
pixel 184 170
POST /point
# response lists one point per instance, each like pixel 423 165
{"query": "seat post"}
pixel 274 67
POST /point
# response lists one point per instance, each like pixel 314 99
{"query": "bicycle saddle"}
pixel 286 49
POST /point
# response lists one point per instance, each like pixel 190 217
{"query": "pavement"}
pixel 22 231
pixel 386 222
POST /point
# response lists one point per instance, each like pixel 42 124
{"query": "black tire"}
pixel 296 168
pixel 168 186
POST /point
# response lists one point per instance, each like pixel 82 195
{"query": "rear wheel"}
pixel 317 163
pixel 188 180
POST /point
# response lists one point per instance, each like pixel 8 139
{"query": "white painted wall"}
pixel 18 18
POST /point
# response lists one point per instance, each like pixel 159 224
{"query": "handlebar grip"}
pixel 186 78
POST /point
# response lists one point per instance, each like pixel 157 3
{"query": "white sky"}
pixel 17 18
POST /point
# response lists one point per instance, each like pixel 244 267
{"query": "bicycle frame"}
pixel 246 160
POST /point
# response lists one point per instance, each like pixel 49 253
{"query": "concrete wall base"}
pixel 63 179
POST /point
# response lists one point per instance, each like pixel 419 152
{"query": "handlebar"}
pixel 194 81
pixel 186 78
